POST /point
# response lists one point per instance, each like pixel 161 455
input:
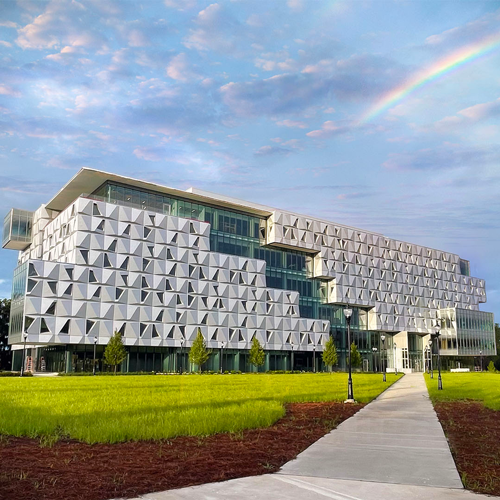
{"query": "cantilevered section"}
pixel 17 227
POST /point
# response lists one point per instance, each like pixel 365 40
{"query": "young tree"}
pixel 355 356
pixel 257 356
pixel 199 354
pixel 330 357
pixel 5 352
pixel 115 352
pixel 491 367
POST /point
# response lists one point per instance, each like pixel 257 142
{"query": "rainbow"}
pixel 438 69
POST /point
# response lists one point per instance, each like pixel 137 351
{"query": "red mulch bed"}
pixel 474 435
pixel 70 470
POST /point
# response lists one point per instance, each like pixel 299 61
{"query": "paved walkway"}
pixel 392 448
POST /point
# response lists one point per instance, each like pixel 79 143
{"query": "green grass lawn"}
pixel 483 387
pixel 114 409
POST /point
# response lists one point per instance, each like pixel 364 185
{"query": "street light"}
pixel 427 366
pixel 291 364
pixel 180 364
pixel 95 345
pixel 481 358
pixel 221 355
pixel 430 357
pixel 314 358
pixel 437 334
pixel 25 336
pixel 374 349
pixel 395 360
pixel 382 338
pixel 348 314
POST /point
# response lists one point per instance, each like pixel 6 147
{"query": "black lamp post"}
pixel 384 354
pixel 481 359
pixel 437 334
pixel 291 363
pixel 221 356
pixel 348 314
pixel 374 350
pixel 314 358
pixel 395 360
pixel 180 364
pixel 95 346
pixel 430 357
pixel 25 336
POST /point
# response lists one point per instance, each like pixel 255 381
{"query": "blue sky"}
pixel 261 100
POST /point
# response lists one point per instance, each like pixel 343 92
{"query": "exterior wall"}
pixel 157 267
pixel 152 276
pixel 405 284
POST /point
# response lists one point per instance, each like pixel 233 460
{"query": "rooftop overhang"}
pixel 87 180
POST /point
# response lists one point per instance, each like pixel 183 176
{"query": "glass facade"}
pixel 17 227
pixel 464 267
pixel 475 332
pixel 17 304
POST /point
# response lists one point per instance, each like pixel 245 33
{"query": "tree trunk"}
pixel 115 369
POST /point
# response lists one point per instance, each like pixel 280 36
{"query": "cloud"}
pixel 61 24
pixel 8 24
pixel 179 68
pixel 42 128
pixel 353 79
pixel 473 114
pixel 292 124
pixel 5 44
pixel 295 5
pixel 349 196
pixel 67 54
pixel 272 151
pixel 330 129
pixel 169 116
pixel 149 154
pixel 180 4
pixel 26 186
pixel 445 157
pixel 136 38
pixel 217 30
pixel 471 32
pixel 482 111
pixel 6 90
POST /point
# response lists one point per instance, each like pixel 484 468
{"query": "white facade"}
pixel 95 267
pixel 152 276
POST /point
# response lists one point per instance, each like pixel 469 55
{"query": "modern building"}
pixel 109 253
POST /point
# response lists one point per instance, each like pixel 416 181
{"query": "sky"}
pixel 384 115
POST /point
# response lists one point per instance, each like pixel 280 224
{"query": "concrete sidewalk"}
pixel 395 439
pixel 393 448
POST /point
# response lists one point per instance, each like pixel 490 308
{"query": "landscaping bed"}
pixel 473 432
pixel 69 470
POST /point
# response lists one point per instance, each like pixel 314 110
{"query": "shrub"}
pixel 491 367
pixel 15 374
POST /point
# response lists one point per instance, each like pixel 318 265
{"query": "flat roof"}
pixel 87 180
